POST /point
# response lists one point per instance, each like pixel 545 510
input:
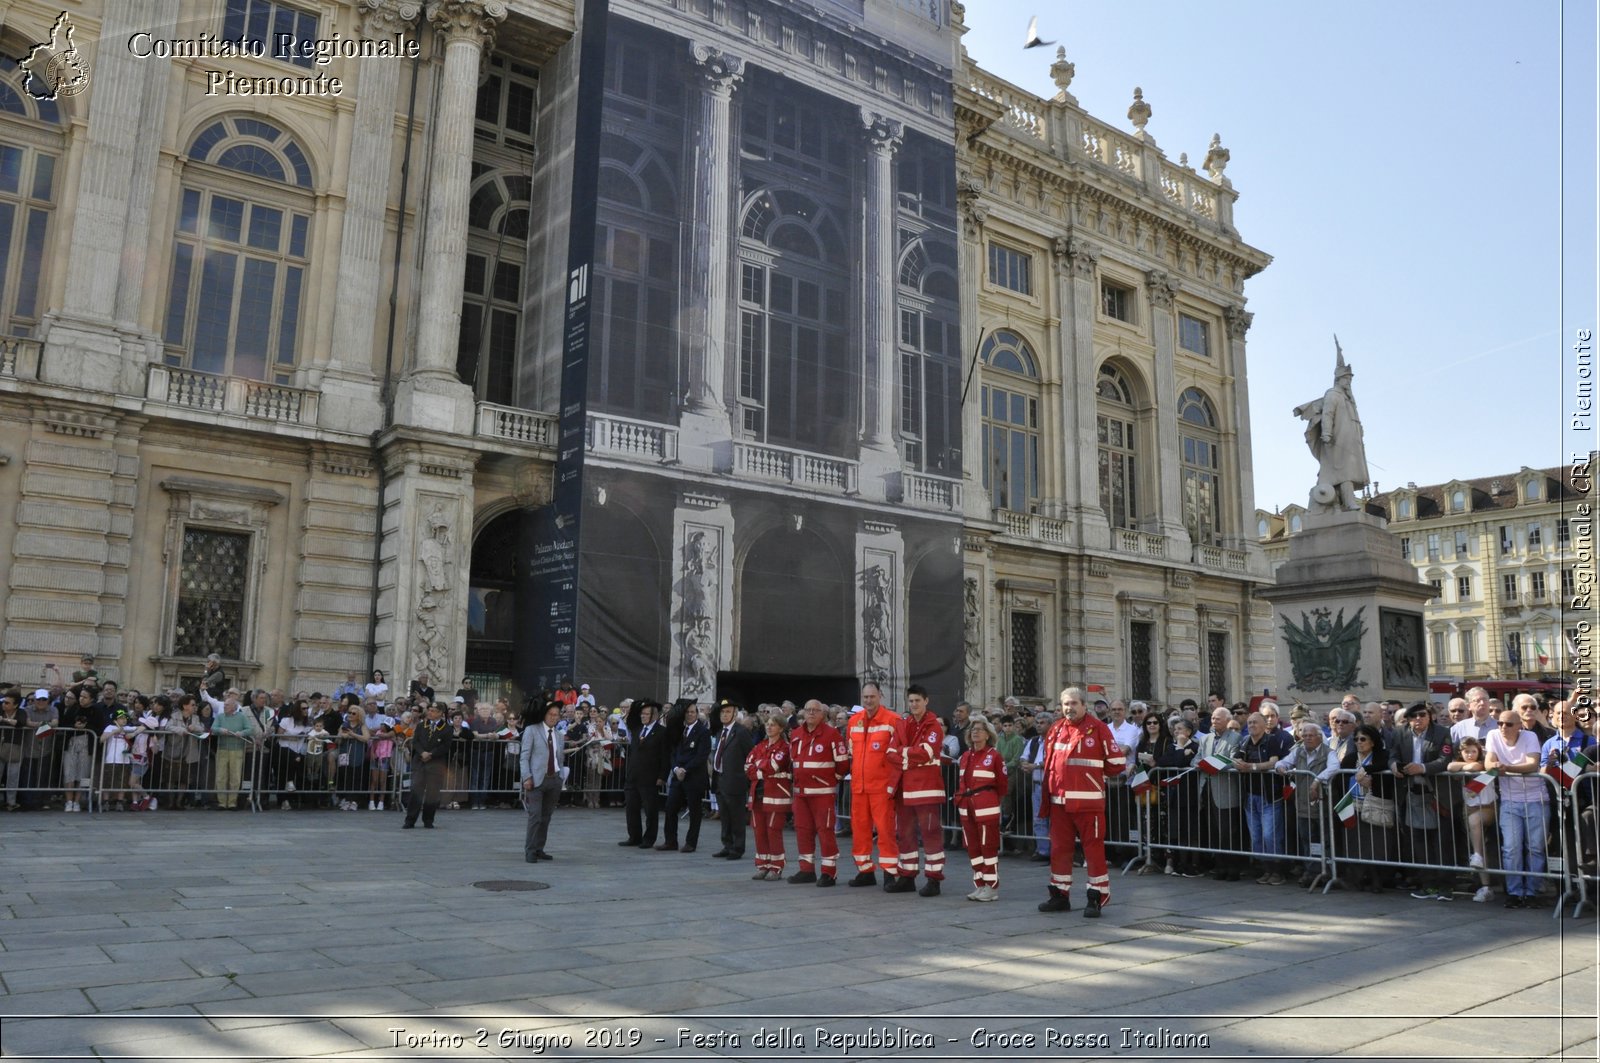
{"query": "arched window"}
pixel 31 143
pixel 1403 509
pixel 1263 526
pixel 1010 422
pixel 1458 501
pixel 240 253
pixel 930 354
pixel 1533 490
pixel 1202 478
pixel 1117 442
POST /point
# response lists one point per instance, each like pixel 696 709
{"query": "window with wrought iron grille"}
pixel 1025 655
pixel 1217 663
pixel 213 582
pixel 1141 659
pixel 31 142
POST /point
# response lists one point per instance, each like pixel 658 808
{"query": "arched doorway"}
pixel 794 607
pixel 492 607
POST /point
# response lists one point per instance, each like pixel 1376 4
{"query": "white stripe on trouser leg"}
pixel 864 863
pixel 806 862
pixel 933 863
pixel 1061 882
pixel 830 864
pixel 1100 882
pixel 908 859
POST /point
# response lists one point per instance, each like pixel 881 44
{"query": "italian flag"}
pixel 1346 810
pixel 1140 783
pixel 1174 780
pixel 1215 762
pixel 1538 651
pixel 1569 770
pixel 1288 790
pixel 44 729
pixel 1481 782
pixel 505 732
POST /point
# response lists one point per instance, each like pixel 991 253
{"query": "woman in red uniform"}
pixel 771 789
pixel 982 784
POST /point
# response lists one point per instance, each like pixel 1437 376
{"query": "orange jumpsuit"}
pixel 875 768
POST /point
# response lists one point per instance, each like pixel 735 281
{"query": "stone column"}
pixel 431 396
pixel 1237 321
pixel 347 382
pixel 1076 262
pixel 708 256
pixel 881 651
pixel 701 616
pixel 1169 505
pixel 879 343
pixel 109 239
pixel 974 212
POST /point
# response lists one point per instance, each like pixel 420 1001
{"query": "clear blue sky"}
pixel 1402 163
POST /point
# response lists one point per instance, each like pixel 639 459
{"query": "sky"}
pixel 1423 175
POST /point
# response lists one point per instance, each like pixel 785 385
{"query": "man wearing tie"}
pixel 542 776
pixel 734 743
pixel 430 754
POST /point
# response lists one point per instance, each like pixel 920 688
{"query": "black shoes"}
pixel 1056 902
pixel 825 880
pixel 1092 909
pixel 630 841
pixel 1515 902
pixel 865 878
pixel 929 888
pixel 899 884
pixel 721 854
pixel 408 826
pixel 800 878
pixel 1039 858
pixel 542 855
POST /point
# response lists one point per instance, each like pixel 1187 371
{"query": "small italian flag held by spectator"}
pixel 506 733
pixel 1288 789
pixel 1481 782
pixel 1216 762
pixel 1346 810
pixel 1140 783
pixel 44 730
pixel 1572 767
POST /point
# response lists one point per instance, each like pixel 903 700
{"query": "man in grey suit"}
pixel 542 776
pixel 1219 795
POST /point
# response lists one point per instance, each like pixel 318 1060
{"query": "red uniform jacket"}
pixel 922 777
pixel 767 767
pixel 819 758
pixel 1079 757
pixel 983 782
pixel 875 751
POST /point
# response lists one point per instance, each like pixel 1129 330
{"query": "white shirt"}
pixel 1126 733
pixel 1528 789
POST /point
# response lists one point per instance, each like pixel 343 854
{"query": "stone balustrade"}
pixel 639 440
pixel 257 399
pixel 516 426
pixel 1051 531
pixel 765 462
pixel 931 492
pixel 1216 557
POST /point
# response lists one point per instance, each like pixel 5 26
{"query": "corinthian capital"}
pixel 473 19
pixel 883 134
pixel 384 18
pixel 1081 255
pixel 1238 320
pixel 1162 288
pixel 721 71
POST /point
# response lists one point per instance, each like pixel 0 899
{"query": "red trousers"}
pixel 1089 828
pixel 868 811
pixel 914 820
pixel 982 834
pixel 769 836
pixel 813 825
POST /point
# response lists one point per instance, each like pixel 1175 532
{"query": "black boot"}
pixel 865 878
pixel 1092 909
pixel 825 880
pixel 899 884
pixel 1057 902
pixel 929 888
pixel 801 877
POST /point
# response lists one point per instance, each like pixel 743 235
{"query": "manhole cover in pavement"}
pixel 1156 926
pixel 510 885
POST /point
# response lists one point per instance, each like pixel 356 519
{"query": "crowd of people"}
pixel 1435 799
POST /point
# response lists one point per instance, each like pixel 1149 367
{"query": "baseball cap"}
pixel 583 686
pixel 458 700
pixel 41 693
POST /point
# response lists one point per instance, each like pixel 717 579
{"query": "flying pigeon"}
pixel 1033 34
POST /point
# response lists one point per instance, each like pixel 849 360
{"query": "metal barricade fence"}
pixel 62 761
pixel 1427 826
pixel 1583 838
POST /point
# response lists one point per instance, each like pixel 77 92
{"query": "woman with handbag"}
pixel 1373 787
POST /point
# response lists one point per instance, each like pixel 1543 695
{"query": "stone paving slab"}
pixel 272 936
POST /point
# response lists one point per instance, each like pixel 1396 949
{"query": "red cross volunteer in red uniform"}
pixel 921 798
pixel 820 758
pixel 1080 754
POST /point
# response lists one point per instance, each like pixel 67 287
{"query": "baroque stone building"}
pixel 281 374
pixel 1510 560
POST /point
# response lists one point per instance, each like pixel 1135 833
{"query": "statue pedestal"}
pixel 1347 615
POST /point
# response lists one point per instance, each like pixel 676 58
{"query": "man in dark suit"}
pixel 430 754
pixel 734 743
pixel 1420 750
pixel 690 774
pixel 646 768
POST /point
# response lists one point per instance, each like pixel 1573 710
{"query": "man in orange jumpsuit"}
pixel 1080 754
pixel 820 759
pixel 921 798
pixel 875 767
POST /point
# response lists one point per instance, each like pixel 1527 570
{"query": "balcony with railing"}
pixel 761 461
pixel 1049 531
pixel 19 356
pixel 191 389
pixel 1219 559
pixel 636 440
pixel 527 427
pixel 1138 543
pixel 931 492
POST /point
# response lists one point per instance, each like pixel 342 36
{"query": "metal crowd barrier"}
pixel 61 761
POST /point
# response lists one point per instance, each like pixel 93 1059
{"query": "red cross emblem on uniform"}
pixel 877 745
pixel 1088 743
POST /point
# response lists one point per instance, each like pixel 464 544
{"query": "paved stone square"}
pixel 236 936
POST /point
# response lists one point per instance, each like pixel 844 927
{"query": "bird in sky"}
pixel 1033 34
